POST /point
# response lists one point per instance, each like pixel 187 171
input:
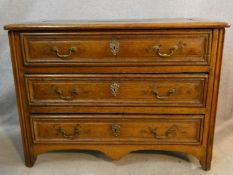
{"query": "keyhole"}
pixel 114 46
pixel 116 129
pixel 114 89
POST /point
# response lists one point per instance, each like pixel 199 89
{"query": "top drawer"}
pixel 117 48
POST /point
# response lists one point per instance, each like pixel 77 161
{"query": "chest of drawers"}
pixel 117 86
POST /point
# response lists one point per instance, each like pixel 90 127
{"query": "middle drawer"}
pixel 117 89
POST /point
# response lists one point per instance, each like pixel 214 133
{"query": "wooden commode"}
pixel 117 86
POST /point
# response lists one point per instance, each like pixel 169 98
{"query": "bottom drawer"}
pixel 122 129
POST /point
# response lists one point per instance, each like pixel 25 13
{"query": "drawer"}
pixel 117 89
pixel 94 129
pixel 117 48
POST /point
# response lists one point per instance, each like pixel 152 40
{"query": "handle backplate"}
pixel 169 92
pixel 170 132
pixel 172 50
pixel 70 50
pixel 72 93
pixel 75 133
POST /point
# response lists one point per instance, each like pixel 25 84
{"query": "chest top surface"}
pixel 171 23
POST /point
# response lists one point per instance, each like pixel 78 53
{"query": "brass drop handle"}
pixel 71 50
pixel 172 50
pixel 75 134
pixel 114 46
pixel 114 88
pixel 172 131
pixel 116 129
pixel 169 92
pixel 73 93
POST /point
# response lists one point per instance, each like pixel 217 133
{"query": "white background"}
pixel 15 11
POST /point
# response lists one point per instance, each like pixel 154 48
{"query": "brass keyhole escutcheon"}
pixel 116 129
pixel 114 87
pixel 114 46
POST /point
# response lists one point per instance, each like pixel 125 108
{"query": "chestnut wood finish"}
pixel 117 86
pixel 136 89
pixel 123 130
pixel 137 47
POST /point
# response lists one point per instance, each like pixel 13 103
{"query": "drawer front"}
pixel 176 47
pixel 118 90
pixel 159 130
